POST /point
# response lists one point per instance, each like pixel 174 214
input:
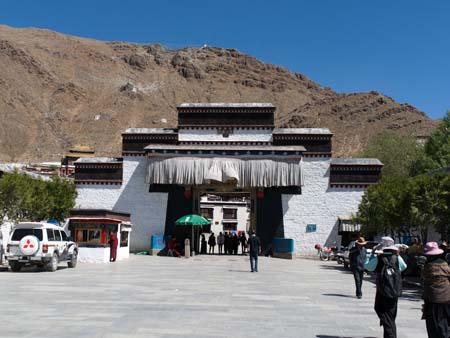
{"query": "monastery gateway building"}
pixel 293 187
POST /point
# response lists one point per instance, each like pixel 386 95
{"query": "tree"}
pixel 23 198
pixel 437 148
pixel 385 207
pixel 397 152
pixel 412 193
pixel 436 153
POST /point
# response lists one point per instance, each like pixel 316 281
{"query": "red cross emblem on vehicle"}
pixel 28 244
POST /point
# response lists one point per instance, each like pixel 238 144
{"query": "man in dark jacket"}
pixel 255 249
pixel 212 243
pixel 357 257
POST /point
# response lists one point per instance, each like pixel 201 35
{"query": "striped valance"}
pixel 245 173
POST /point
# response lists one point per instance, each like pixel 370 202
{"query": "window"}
pixel 229 226
pixel 91 237
pixel 50 235
pixel 81 236
pixel 94 236
pixel 21 233
pixel 64 236
pixel 57 235
pixel 229 213
pixel 124 238
pixel 208 213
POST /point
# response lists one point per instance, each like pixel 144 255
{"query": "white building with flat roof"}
pixel 295 188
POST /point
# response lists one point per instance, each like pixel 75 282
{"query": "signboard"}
pixel 311 228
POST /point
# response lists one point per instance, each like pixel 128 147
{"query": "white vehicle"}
pixel 41 244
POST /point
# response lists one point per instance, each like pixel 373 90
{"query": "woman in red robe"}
pixel 113 242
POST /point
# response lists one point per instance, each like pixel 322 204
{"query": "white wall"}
pixel 93 255
pixel 242 215
pixel 238 135
pixel 148 210
pixel 318 204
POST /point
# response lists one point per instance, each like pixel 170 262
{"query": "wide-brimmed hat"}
pixel 387 243
pixel 432 249
pixel 361 241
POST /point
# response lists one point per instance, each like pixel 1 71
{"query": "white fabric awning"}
pixel 348 226
pixel 245 173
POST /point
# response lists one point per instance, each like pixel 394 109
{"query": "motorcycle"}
pixel 340 256
pixel 324 253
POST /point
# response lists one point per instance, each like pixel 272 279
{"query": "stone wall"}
pixel 318 204
pixel 148 210
pixel 237 135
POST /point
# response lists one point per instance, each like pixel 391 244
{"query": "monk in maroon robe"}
pixel 113 242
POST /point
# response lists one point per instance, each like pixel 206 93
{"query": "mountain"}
pixel 57 91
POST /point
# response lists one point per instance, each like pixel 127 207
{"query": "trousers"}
pixel 358 275
pixel 437 319
pixel 254 263
pixel 386 309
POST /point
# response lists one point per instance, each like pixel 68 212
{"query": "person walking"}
pixel 243 241
pixel 113 243
pixel 203 245
pixel 357 257
pixel 255 250
pixel 436 292
pixel 220 242
pixel 212 243
pixel 388 266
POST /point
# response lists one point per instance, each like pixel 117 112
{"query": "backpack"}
pixel 390 282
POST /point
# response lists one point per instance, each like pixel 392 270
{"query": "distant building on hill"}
pixel 67 168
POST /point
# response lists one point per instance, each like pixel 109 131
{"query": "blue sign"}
pixel 311 228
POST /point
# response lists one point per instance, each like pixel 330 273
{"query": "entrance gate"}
pixel 266 211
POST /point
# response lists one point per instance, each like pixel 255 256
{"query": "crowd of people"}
pixel 228 243
pixel 387 264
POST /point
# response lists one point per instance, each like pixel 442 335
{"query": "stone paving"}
pixel 200 297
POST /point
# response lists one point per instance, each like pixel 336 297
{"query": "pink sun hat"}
pixel 432 249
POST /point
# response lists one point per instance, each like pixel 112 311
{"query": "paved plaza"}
pixel 199 297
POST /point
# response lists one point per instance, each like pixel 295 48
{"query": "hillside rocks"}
pixel 52 87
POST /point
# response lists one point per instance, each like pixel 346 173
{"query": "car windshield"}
pixel 21 233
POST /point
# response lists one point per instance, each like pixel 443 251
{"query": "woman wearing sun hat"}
pixel 357 257
pixel 436 292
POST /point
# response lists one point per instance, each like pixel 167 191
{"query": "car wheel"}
pixel 73 260
pixel 15 266
pixel 52 265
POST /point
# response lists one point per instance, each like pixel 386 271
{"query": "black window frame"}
pixel 26 232
pixel 52 237
pixel 58 237
pixel 65 238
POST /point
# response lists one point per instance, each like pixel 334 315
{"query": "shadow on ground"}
pixel 337 295
pixel 327 336
pixel 411 290
pixel 30 269
pixel 336 267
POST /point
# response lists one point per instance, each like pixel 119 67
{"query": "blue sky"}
pixel 400 48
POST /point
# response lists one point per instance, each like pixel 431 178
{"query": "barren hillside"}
pixel 58 90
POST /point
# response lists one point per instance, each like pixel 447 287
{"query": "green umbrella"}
pixel 193 221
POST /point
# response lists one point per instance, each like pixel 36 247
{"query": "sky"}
pixel 400 48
